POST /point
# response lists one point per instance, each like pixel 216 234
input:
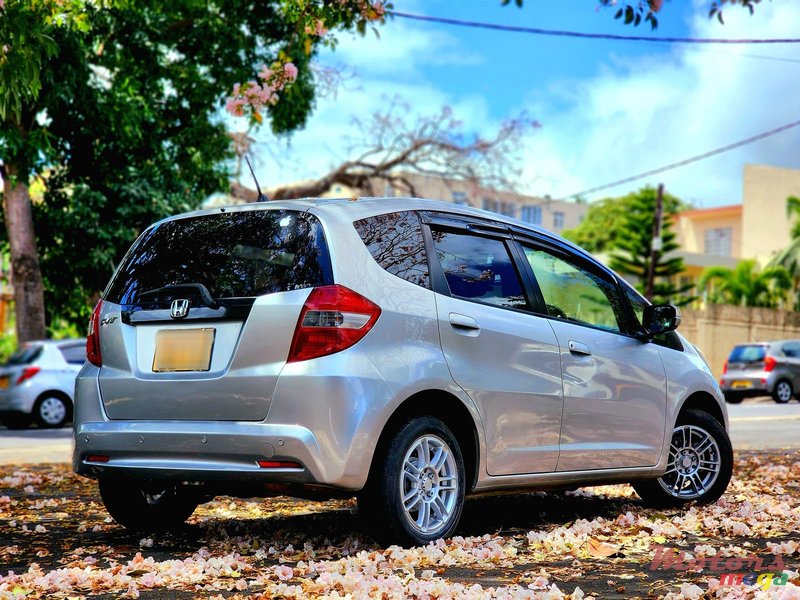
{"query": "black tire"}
pixel 733 398
pixel 16 420
pixel 146 507
pixel 654 492
pixel 381 503
pixel 783 391
pixel 52 411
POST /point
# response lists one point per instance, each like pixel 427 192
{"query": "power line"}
pixel 594 36
pixel 688 161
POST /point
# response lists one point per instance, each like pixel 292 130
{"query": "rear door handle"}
pixel 464 322
pixel 579 348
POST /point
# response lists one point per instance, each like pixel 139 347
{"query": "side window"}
pixel 791 349
pixel 479 268
pixel 574 294
pixel 396 243
pixel 75 354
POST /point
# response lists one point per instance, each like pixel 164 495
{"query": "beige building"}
pixel 554 215
pixel 758 228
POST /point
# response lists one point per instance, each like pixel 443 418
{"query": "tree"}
pixel 602 225
pixel 390 145
pixel 115 106
pixel 632 245
pixel 746 285
pixel 645 11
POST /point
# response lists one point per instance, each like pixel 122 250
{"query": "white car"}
pixel 38 382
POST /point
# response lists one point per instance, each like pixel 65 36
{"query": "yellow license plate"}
pixel 4 382
pixel 183 350
pixel 740 385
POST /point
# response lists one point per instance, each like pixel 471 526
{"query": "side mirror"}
pixel 661 318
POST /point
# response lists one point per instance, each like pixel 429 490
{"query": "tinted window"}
pixel 478 268
pixel 75 354
pixel 574 294
pixel 25 355
pixel 395 242
pixel 748 354
pixel 235 254
pixel 792 349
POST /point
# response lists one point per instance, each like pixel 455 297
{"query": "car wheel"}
pixel 782 392
pixel 146 507
pixel 51 412
pixel 699 467
pixel 416 493
pixel 16 420
pixel 732 398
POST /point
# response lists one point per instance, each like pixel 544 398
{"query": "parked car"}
pixel 38 381
pixel 762 369
pixel 404 351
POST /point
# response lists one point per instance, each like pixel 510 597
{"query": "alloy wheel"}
pixel 784 391
pixel 429 484
pixel 52 411
pixel 694 463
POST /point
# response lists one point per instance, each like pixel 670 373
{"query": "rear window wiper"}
pixel 205 295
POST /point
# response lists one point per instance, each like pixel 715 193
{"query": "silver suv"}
pixel 405 351
pixel 762 369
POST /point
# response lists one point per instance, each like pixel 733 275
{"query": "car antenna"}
pixel 261 197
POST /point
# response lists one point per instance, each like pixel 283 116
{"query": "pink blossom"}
pixel 290 71
pixel 284 573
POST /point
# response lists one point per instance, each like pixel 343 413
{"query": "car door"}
pixel 504 357
pixel 614 384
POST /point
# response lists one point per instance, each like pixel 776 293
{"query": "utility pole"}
pixel 657 243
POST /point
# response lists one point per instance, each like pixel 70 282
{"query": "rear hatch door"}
pixel 199 318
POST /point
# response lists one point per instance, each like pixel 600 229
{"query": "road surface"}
pixel 756 424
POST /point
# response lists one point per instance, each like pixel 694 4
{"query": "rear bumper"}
pixel 759 383
pixel 13 401
pixel 196 451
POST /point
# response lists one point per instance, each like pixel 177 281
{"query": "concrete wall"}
pixel 719 328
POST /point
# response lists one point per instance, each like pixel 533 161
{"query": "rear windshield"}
pixel 24 356
pixel 748 354
pixel 237 254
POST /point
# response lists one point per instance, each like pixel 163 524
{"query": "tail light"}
pixel 93 338
pixel 333 319
pixel 725 367
pixel 28 373
pixel 769 363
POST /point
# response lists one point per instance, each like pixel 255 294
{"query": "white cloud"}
pixel 660 109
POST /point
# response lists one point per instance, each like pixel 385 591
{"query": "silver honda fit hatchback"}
pixel 407 352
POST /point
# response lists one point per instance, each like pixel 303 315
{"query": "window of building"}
pixel 719 241
pixel 489 204
pixel 532 214
pixel 558 220
pixel 479 269
pixel 459 197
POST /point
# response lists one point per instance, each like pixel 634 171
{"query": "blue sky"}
pixel 608 109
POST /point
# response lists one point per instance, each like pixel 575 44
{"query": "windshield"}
pixel 748 354
pixel 237 254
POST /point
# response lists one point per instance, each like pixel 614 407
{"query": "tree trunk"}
pixel 26 276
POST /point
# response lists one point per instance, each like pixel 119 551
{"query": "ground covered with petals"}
pixel 56 541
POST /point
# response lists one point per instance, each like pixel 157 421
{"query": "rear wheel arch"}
pixel 451 411
pixel 703 402
pixel 57 394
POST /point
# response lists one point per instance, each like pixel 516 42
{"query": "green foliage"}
pixel 746 285
pixel 602 225
pixel 8 345
pixel 121 117
pixel 789 257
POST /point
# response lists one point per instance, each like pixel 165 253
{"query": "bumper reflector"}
pixel 279 464
pixel 97 458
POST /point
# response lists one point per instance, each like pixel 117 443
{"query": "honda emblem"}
pixel 179 308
